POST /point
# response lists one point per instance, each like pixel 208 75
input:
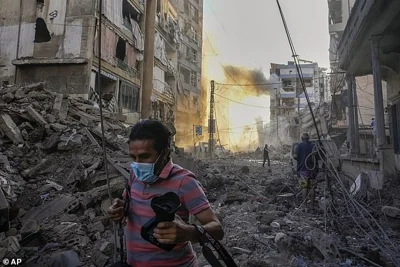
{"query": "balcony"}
pixel 134 73
pixel 163 90
pixel 370 18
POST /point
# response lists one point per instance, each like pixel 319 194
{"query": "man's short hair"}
pixel 152 130
pixel 305 137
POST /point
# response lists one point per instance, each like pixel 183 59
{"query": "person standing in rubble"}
pixel 266 156
pixel 307 168
pixel 154 174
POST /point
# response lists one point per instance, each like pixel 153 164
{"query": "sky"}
pixel 252 34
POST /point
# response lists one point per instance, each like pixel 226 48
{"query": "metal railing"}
pixel 130 70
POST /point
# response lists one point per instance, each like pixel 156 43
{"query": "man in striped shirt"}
pixel 154 174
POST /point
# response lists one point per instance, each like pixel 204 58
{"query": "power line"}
pixel 240 102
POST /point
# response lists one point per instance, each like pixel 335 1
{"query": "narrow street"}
pixel 200 133
pixel 57 186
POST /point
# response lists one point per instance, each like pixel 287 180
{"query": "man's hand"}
pixel 116 210
pixel 174 232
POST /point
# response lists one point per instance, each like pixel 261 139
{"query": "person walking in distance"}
pixel 266 156
pixel 307 168
pixel 153 174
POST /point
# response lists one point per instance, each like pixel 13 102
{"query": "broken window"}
pixel 335 16
pixel 121 49
pixel 185 74
pixel 193 55
pixel 39 4
pixel 129 97
pixel 193 78
pixel 129 13
pixel 42 34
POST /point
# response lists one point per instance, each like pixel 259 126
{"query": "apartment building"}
pixel 287 96
pixel 56 41
pixel 339 13
pixel 190 20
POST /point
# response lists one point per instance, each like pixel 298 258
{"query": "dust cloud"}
pixel 242 108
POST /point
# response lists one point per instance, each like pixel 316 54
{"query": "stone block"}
pixel 392 212
pixel 4 213
pixel 36 116
pixel 10 129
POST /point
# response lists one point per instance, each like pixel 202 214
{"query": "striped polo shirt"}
pixel 173 178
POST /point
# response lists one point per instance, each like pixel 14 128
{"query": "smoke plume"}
pixel 253 80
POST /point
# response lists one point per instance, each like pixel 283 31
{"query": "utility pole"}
pixel 351 114
pixel 211 124
pixel 378 95
pixel 148 59
pixel 103 139
pixel 356 124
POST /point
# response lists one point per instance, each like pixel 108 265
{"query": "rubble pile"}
pixel 265 225
pixel 54 195
pixel 52 175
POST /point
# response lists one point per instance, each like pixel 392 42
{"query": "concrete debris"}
pixel 10 129
pixel 52 180
pixel 54 196
pixel 4 213
pixel 392 212
pixel 260 213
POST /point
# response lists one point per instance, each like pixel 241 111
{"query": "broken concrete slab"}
pixel 67 258
pixel 99 259
pixel 60 107
pixel 81 114
pixel 392 212
pixel 70 142
pixel 48 209
pixel 4 213
pixel 10 129
pixel 36 116
pixel 29 173
pixel 58 127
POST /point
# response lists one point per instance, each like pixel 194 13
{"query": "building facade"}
pixel 370 46
pixel 287 96
pixel 56 41
pixel 339 13
pixel 190 20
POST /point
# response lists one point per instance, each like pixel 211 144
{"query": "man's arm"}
pixel 195 201
pixel 210 223
pixel 296 152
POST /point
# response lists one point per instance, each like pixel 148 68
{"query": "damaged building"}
pixel 55 41
pixel 190 22
pixel 287 97
pixel 370 46
pixel 339 12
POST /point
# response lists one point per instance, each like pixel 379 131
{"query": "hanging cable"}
pixel 298 68
pixel 103 141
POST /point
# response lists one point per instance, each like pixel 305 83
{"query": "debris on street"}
pixel 54 197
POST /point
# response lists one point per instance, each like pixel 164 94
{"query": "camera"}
pixel 165 207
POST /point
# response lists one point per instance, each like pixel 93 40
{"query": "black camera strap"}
pixel 123 259
pixel 205 239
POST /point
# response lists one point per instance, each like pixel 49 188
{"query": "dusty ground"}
pixel 51 172
pixel 265 227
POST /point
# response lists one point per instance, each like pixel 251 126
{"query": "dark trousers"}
pixel 266 157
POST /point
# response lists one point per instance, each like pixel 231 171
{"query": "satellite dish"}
pixel 153 98
pixel 139 57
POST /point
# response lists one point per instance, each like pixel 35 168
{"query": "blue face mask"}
pixel 144 172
